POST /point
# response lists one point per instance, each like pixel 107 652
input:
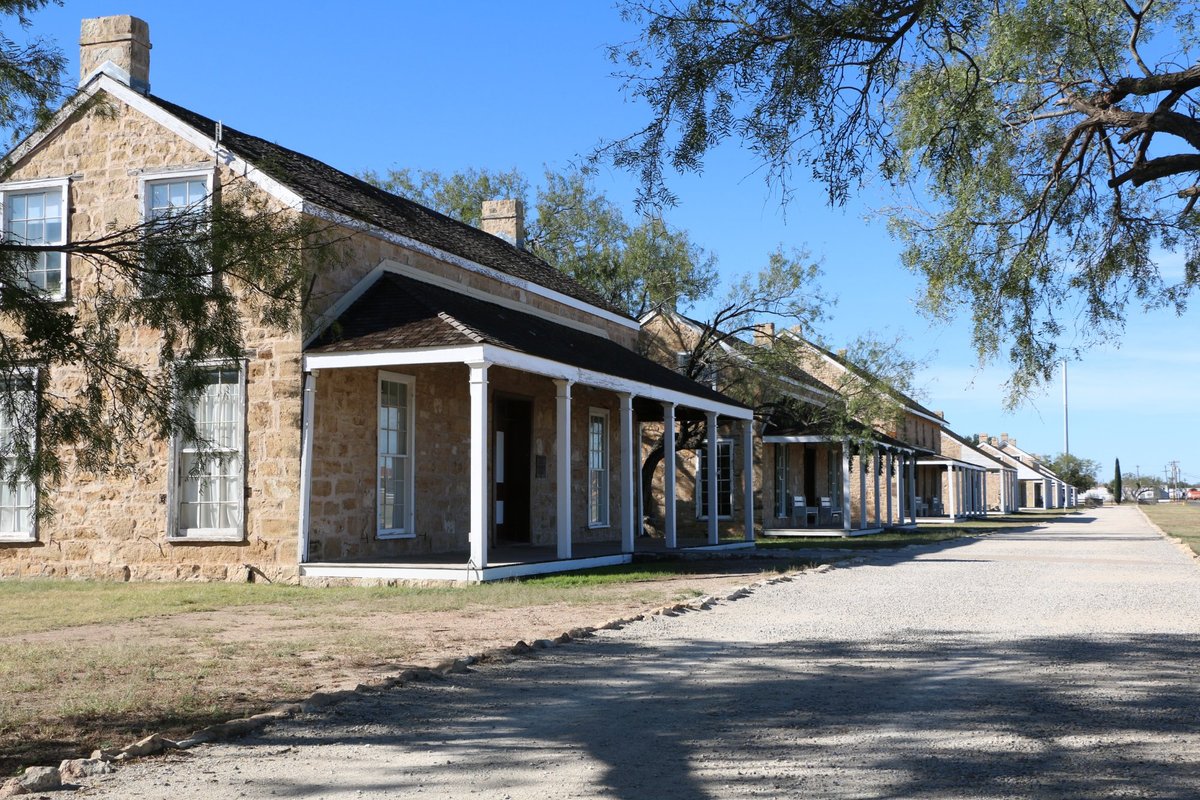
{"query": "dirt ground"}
pixel 252 674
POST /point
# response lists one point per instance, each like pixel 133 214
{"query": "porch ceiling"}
pixel 400 313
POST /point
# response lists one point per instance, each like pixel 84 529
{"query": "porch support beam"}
pixel 479 465
pixel 952 505
pixel 710 457
pixel 862 491
pixel 875 478
pixel 562 452
pixel 626 471
pixel 949 485
pixel 748 479
pixel 910 489
pixel 669 476
pixel 846 486
pixel 306 454
pixel 890 469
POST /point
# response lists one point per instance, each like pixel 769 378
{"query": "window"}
pixel 210 469
pixel 394 482
pixel 782 499
pixel 175 206
pixel 36 214
pixel 18 498
pixel 598 499
pixel 724 481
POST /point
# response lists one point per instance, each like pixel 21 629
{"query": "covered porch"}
pixel 867 487
pixel 963 489
pixel 491 443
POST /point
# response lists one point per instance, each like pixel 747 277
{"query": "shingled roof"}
pixel 338 191
pixel 401 312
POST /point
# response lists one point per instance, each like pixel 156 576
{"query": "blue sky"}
pixel 528 84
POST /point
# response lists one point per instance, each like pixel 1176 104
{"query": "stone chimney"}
pixel 122 42
pixel 506 219
pixel 940 414
pixel 764 334
pixel 984 438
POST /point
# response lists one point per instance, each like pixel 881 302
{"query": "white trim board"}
pixel 320 212
pixel 502 357
pixel 459 573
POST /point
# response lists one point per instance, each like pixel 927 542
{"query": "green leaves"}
pixel 1047 151
pixel 636 266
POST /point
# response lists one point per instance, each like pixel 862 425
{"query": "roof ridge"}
pixel 348 194
pixel 463 328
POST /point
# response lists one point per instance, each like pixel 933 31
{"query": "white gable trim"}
pixel 320 212
pixel 135 100
pixel 323 321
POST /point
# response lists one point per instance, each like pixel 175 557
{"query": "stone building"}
pixel 811 480
pixel 451 407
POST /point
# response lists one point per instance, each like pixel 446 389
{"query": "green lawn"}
pixel 1181 520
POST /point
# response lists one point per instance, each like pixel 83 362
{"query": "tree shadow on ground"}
pixel 965 715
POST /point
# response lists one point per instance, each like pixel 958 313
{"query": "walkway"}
pixel 1059 663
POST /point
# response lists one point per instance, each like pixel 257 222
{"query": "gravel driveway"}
pixel 1056 663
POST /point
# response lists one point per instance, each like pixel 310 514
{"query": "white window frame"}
pixel 63 185
pixel 148 179
pixel 408 531
pixel 603 519
pixel 175 477
pixel 31 534
pixel 701 456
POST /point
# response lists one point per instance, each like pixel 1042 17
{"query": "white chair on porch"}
pixel 806 513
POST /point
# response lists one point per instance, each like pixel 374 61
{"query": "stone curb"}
pixel 105 761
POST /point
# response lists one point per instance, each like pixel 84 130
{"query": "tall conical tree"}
pixel 1116 488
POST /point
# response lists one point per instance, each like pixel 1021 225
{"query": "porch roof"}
pixel 400 313
pixel 783 433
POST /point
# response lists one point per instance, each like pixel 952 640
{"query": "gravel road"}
pixel 1056 663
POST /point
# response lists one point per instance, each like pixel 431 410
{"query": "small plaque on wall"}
pixel 539 466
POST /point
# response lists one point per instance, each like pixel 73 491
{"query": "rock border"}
pixel 1175 540
pixel 36 780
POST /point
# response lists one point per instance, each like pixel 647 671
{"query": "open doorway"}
pixel 512 437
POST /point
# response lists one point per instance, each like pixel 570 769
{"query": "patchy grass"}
pixel 1181 520
pixel 91 664
pixel 927 534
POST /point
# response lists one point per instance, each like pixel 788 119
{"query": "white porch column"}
pixel 562 452
pixel 890 467
pixel 875 478
pixel 983 497
pixel 748 478
pixel 846 486
pixel 479 464
pixel 306 448
pixel 626 480
pixel 911 488
pixel 669 475
pixel 862 491
pixel 714 534
pixel 901 471
pixel 951 501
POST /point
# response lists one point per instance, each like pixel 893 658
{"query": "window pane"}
pixel 394 480
pixel 211 468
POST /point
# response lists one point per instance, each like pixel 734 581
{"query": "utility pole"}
pixel 1066 429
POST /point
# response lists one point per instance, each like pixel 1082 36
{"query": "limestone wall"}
pixel 114 526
